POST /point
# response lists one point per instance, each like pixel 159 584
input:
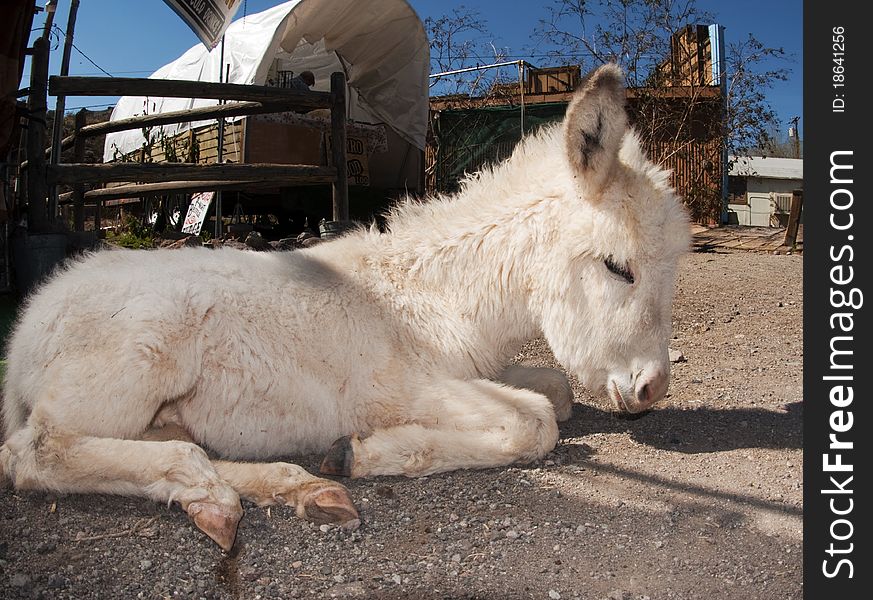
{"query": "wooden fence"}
pixel 162 178
pixel 696 173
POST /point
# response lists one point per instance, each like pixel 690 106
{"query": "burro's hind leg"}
pixel 551 383
pixel 450 425
pixel 46 457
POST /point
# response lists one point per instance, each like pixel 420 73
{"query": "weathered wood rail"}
pixel 162 172
pixel 177 88
pixel 159 178
pixel 233 109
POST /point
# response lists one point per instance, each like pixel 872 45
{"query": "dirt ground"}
pixel 699 498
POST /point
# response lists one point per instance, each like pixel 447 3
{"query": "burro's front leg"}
pixel 551 383
pixel 313 498
pixel 450 425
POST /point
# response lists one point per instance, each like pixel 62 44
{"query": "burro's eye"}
pixel 622 271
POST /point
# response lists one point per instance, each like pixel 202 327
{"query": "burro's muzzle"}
pixel 638 390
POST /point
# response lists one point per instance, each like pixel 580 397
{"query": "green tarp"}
pixel 470 138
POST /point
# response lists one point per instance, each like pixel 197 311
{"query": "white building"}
pixel 760 189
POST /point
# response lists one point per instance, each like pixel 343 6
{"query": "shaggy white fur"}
pixel 396 339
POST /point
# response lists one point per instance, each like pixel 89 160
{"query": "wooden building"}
pixel 679 121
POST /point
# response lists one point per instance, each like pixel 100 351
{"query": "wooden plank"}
pixel 209 156
pixel 211 141
pixel 156 173
pixel 157 189
pixel 338 147
pixel 794 218
pixel 755 244
pixel 176 88
pixel 283 142
pixel 234 109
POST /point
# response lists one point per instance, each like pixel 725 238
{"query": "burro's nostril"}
pixel 652 388
pixel 644 393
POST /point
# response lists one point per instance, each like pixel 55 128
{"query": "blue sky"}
pixel 135 38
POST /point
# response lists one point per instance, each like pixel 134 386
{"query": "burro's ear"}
pixel 594 126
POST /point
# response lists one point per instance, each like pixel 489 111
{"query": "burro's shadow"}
pixel 698 430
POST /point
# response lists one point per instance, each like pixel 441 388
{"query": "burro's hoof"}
pixel 339 458
pixel 216 521
pixel 329 502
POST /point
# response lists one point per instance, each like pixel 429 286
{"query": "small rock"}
pixel 145 565
pixel 659 544
pixel 355 589
pixel 676 356
pixel 297 564
pixel 256 241
pixel 385 491
pixel 396 579
pixel 554 595
pixel 456 558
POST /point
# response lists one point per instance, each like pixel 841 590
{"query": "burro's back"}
pixel 389 351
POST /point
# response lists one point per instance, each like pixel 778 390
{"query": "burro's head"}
pixel 608 274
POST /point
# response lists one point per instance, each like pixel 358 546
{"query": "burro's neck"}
pixel 470 262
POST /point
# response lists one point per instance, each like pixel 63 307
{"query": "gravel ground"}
pixel 699 498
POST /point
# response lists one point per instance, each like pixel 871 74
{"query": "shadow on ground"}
pixel 695 431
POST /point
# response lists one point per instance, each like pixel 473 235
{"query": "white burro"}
pixel 386 350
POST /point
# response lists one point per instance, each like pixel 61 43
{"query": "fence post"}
pixel 37 105
pixel 794 218
pixel 79 157
pixel 338 146
pixel 98 209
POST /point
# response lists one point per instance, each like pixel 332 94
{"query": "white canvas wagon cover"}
pixel 381 46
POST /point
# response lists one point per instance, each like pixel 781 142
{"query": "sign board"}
pixel 357 160
pixel 209 19
pixel 197 212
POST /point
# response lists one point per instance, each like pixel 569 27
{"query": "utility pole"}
pixel 794 132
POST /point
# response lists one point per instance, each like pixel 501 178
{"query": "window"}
pixel 737 190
